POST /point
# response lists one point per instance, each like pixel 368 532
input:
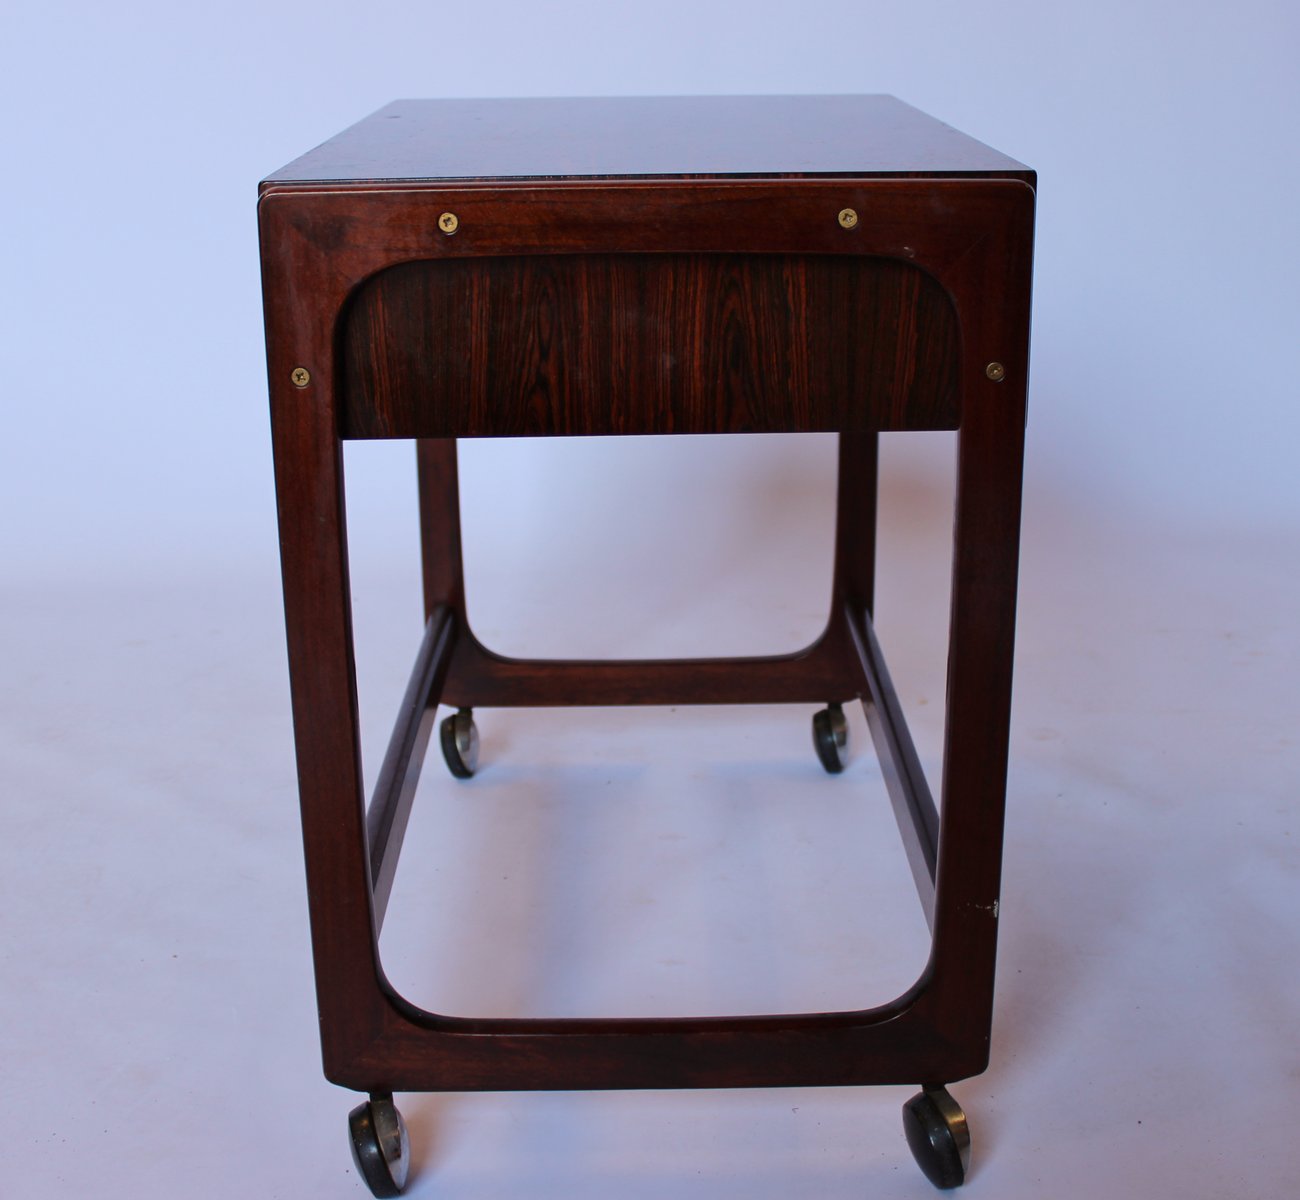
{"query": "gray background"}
pixel 156 1016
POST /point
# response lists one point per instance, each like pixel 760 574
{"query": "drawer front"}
pixel 647 343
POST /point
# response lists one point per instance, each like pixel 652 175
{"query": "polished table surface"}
pixel 638 136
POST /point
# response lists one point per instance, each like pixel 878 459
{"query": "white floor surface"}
pixel 157 1023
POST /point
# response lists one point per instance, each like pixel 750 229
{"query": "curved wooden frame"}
pixel 319 242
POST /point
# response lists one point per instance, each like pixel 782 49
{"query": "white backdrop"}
pixel 150 876
pixel 1165 311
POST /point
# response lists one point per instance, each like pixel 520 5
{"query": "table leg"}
pixel 440 544
pixel 318 621
pixel 977 729
pixel 855 522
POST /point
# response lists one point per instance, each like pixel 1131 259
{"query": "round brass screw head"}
pixel 996 372
pixel 449 222
pixel 300 376
pixel 847 217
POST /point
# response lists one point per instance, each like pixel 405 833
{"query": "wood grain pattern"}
pixel 666 343
pixel 788 320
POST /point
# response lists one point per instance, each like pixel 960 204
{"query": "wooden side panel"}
pixel 647 343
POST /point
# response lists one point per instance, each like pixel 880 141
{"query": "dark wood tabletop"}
pixel 637 137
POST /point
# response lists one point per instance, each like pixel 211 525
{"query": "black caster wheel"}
pixel 459 737
pixel 938 1137
pixel 380 1145
pixel 831 737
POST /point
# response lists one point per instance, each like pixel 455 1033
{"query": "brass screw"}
pixel 996 372
pixel 449 222
pixel 301 376
pixel 848 218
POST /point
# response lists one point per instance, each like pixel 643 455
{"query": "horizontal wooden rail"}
pixel 390 808
pixel 481 677
pixel 914 810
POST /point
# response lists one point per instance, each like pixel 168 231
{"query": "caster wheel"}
pixel 459 737
pixel 938 1136
pixel 831 737
pixel 380 1145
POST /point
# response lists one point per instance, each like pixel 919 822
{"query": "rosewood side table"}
pixel 456 269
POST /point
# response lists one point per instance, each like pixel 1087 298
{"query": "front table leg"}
pixel 318 620
pixel 977 726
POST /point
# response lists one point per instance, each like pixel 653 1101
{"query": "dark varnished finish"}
pixel 390 807
pixel 637 136
pixel 482 678
pixel 855 520
pixel 342 260
pixel 440 549
pixel 918 820
pixel 664 343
